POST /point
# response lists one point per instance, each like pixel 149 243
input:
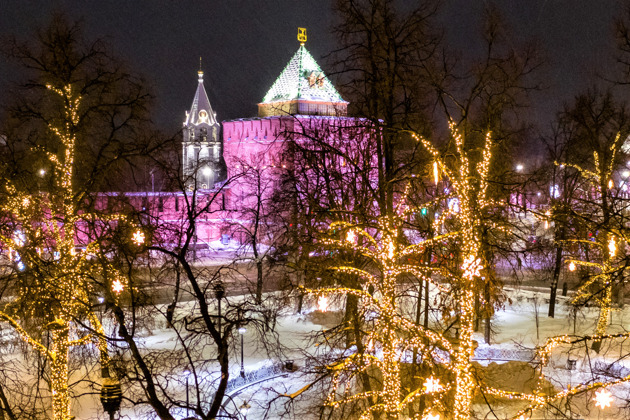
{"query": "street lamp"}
pixel 111 395
pixel 241 331
pixel 244 409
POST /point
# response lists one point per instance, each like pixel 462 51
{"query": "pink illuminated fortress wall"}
pixel 228 174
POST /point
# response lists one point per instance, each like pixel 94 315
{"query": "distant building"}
pixel 224 164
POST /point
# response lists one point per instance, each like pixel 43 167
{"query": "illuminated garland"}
pixel 470 185
pixel 606 243
pixel 392 333
pixel 44 240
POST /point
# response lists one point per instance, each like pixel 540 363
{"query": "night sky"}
pixel 246 44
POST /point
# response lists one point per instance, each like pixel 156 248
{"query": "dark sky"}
pixel 246 44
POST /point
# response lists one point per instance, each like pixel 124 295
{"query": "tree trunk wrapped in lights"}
pixel 469 180
pixel 393 335
pixel 54 281
pixel 605 244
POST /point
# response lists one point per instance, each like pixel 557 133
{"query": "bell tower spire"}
pixel 203 164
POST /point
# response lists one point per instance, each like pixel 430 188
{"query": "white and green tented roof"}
pixel 302 79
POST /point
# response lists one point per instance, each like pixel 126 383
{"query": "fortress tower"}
pixel 203 164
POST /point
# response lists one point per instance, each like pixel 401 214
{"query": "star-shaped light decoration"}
pixel 432 385
pixel 138 237
pixel 471 267
pixel 603 398
pixel 117 286
pixel 322 303
pixel 571 266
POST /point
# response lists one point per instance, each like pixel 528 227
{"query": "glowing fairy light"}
pixel 322 303
pixel 138 237
pixel 432 385
pixel 611 184
pixel 572 266
pixel 603 398
pixel 117 286
pixel 612 247
pixel 436 173
pixel 391 249
pixel 19 238
pixel 351 237
pixel 547 216
pixel 431 417
pixel 472 267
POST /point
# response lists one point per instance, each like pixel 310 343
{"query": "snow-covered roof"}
pixel 201 110
pixel 302 79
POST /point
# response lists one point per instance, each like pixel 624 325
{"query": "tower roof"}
pixel 302 79
pixel 201 110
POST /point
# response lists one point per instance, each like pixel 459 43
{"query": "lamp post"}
pixel 219 293
pixel 186 374
pixel 244 409
pixel 241 331
pixel 519 168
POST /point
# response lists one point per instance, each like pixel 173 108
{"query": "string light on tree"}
pixel 436 173
pixel 432 385
pixel 612 246
pixel 468 176
pixel 62 292
pixel 598 287
pixel 351 237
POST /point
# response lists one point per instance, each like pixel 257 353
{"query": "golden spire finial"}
pixel 301 35
pixel 200 72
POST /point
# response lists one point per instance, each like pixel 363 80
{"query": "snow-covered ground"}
pixel 514 327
